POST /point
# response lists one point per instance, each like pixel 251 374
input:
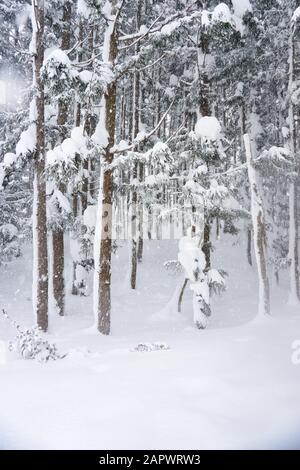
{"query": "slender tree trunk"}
pixel 259 230
pixel 206 245
pixel 76 197
pixel 135 220
pixel 249 245
pixel 103 240
pixel 58 251
pixel 40 255
pixel 140 220
pixel 181 295
pixel 205 110
pixel 294 296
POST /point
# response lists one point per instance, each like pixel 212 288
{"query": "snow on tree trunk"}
pixel 58 279
pixel 193 261
pixel 103 232
pixel 259 232
pixel 40 252
pixel 205 110
pixel 294 295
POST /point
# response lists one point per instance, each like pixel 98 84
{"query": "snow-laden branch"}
pixel 142 34
pixel 140 139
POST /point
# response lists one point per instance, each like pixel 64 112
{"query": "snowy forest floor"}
pixel 230 386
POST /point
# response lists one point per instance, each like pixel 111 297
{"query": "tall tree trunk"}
pixel 294 296
pixel 40 252
pixel 135 219
pixel 140 220
pixel 76 199
pixel 205 110
pixel 58 251
pixel 259 231
pixel 103 241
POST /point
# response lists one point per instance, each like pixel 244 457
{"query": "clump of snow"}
pixel 205 18
pixel 27 141
pixel 208 127
pixel 9 159
pixel 48 52
pixel 82 9
pixel 140 136
pixel 66 152
pixel 58 56
pixel 122 145
pixel 222 13
pixel 296 15
pixel 62 200
pixel 143 29
pixel 107 10
pixel 69 147
pixel 78 138
pixel 168 29
pixel 86 76
pixel 240 7
pixel 58 71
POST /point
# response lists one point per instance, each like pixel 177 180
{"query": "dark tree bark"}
pixel 58 279
pixel 135 219
pixel 249 246
pixel 40 285
pixel 103 263
pixel 294 75
pixel 205 110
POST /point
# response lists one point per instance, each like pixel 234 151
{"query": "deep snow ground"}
pixel 231 386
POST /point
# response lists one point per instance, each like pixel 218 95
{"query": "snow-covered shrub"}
pixel 30 344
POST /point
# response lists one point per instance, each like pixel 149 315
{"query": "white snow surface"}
pixel 232 385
